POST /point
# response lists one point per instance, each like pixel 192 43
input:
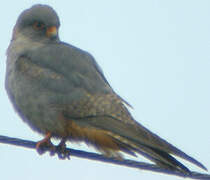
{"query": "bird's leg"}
pixel 62 152
pixel 45 144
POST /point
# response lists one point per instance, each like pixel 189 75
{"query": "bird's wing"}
pixel 75 65
pixel 109 114
pixel 99 70
pixel 92 102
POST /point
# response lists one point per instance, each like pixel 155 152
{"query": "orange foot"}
pixel 45 144
pixel 61 150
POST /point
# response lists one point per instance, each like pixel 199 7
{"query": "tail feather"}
pixel 175 164
pixel 161 158
pixel 124 147
pixel 160 145
pixel 136 138
pixel 165 156
pixel 184 156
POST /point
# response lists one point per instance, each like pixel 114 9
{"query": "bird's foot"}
pixel 45 145
pixel 61 150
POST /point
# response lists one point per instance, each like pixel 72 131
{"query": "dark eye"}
pixel 38 25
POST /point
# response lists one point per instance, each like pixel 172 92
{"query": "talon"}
pixel 45 145
pixel 61 150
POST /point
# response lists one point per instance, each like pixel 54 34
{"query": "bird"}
pixel 61 92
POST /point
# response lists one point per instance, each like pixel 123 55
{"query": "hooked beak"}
pixel 52 32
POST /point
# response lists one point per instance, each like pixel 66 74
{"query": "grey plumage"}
pixel 53 84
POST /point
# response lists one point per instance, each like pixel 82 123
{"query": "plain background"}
pixel 155 54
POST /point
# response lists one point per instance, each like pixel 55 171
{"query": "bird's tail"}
pixel 161 156
pixel 133 138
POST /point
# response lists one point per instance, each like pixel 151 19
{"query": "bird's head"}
pixel 39 23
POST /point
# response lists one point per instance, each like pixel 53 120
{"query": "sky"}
pixel 154 53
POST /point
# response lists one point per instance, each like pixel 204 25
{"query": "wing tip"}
pixel 189 158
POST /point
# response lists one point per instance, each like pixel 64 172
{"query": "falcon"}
pixel 60 91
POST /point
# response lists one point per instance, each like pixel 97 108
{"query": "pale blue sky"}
pixel 154 53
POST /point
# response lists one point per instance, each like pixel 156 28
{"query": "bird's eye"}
pixel 38 25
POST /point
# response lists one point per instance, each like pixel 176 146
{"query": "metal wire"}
pixel 101 158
